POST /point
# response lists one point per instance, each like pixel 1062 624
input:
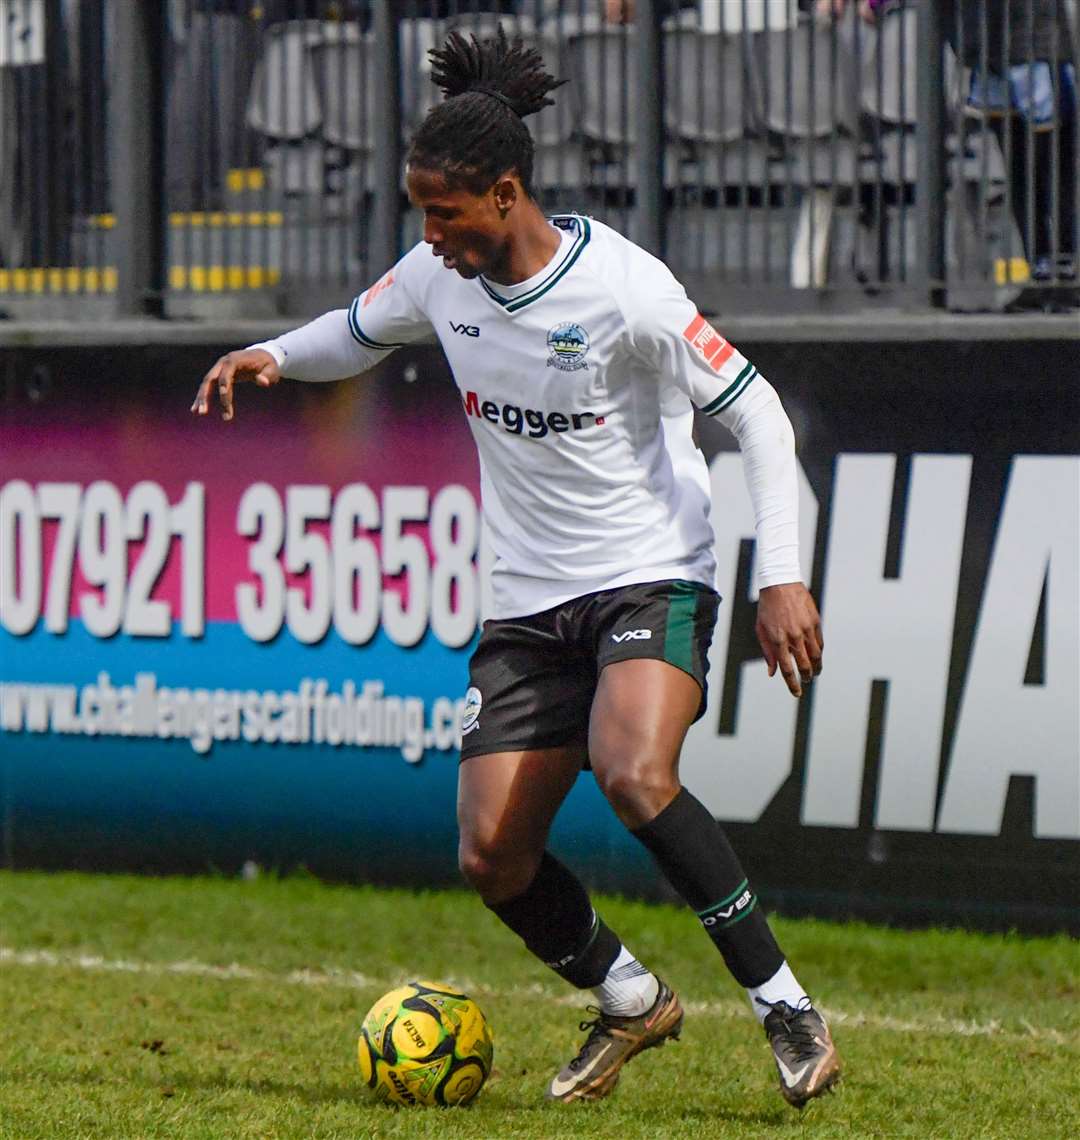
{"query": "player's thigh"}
pixel 640 716
pixel 653 656
pixel 507 800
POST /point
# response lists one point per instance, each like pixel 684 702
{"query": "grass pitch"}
pixel 214 1008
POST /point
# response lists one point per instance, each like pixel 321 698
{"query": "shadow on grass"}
pixel 308 1092
pixel 691 1117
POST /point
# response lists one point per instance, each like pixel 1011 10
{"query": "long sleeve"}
pixel 686 350
pixel 349 341
pixel 767 444
pixel 324 349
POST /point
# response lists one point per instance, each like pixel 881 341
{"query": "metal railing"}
pixel 186 155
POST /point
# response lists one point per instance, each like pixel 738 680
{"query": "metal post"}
pixel 384 246
pixel 930 186
pixel 135 157
pixel 649 204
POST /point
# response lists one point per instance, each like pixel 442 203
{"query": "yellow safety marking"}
pixel 1011 271
pixel 220 278
pixel 249 178
pixel 57 279
pixel 201 218
pixel 232 219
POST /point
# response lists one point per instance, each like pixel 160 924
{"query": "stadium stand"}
pixel 790 154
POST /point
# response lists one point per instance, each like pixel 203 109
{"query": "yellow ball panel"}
pixel 367 1061
pixel 464 1084
pixel 474 1034
pixel 411 1083
pixel 382 1013
pixel 390 1086
pixel 415 1034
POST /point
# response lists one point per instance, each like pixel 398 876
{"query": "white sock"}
pixel 782 986
pixel 629 988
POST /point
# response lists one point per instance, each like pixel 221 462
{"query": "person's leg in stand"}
pixel 640 716
pixel 1067 203
pixel 506 802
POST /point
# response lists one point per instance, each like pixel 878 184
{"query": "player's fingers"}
pixel 225 383
pixel 205 393
pixel 803 662
pixel 203 397
pixel 767 650
pixel 267 376
pixel 790 672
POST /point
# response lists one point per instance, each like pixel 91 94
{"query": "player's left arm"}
pixel 788 625
pixel 719 380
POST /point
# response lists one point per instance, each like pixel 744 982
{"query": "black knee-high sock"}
pixel 556 921
pixel 695 855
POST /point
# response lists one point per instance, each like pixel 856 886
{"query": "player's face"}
pixel 468 231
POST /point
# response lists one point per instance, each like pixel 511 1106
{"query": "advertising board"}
pixel 248 642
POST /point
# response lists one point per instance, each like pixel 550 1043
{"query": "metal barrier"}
pixel 777 153
pixel 53 157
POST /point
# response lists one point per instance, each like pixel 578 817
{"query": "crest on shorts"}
pixel 568 343
pixel 470 714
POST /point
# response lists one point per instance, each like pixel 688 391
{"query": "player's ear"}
pixel 505 193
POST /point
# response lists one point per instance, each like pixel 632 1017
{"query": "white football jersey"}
pixel 578 386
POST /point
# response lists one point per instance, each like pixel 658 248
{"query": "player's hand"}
pixel 248 364
pixel 789 631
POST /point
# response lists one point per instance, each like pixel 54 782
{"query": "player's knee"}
pixel 637 791
pixel 495 874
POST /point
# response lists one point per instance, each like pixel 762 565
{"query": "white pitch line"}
pixel 350 979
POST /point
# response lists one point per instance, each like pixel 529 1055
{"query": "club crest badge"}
pixel 470 714
pixel 568 343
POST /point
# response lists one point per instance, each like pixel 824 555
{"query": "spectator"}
pixel 1023 78
pixel 868 9
pixel 611 11
pixel 624 11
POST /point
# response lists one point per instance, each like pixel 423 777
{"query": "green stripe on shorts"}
pixel 680 635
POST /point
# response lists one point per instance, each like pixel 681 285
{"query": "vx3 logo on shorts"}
pixel 465 330
pixel 632 635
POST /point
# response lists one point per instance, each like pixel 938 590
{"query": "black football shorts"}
pixel 532 679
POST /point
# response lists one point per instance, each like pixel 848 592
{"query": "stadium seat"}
pixel 809 113
pixel 603 69
pixel 296 167
pixel 887 88
pixel 895 159
pixel 10 235
pixel 604 72
pixel 712 91
pixel 732 16
pixel 313 98
pixel 345 67
pixel 805 83
pixel 284 102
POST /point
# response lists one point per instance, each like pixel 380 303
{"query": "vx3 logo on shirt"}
pixel 632 635
pixel 465 330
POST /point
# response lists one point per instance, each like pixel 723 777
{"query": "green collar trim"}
pixel 581 240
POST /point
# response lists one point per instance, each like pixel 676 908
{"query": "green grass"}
pixel 103 1034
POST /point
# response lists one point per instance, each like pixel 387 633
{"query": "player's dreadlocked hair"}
pixel 477 132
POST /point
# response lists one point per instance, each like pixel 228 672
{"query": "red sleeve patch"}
pixel 377 288
pixel 708 343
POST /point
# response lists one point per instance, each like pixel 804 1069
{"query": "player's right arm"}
pixel 335 346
